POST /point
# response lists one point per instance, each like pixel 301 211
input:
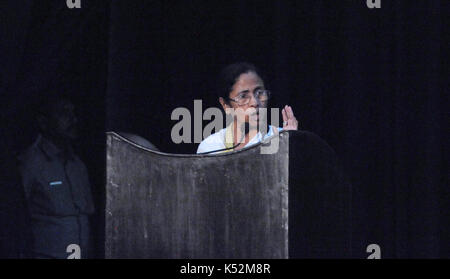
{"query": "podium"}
pixel 293 203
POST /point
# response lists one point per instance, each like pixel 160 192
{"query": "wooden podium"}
pixel 293 203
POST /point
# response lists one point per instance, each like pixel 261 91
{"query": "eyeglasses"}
pixel 244 98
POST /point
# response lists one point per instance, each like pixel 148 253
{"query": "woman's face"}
pixel 245 85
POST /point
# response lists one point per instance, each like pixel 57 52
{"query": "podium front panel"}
pixel 232 205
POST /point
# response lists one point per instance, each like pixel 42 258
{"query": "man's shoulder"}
pixel 31 153
pixel 212 142
pixel 31 157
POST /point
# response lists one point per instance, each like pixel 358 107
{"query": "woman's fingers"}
pixel 290 113
pixel 285 117
pixel 289 120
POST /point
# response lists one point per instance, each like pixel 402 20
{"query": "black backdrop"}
pixel 371 82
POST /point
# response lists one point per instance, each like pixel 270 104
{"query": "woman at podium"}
pixel 242 91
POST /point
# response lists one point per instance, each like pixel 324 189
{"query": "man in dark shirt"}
pixel 56 184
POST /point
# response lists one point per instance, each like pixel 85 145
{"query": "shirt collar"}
pixel 51 151
pixel 229 138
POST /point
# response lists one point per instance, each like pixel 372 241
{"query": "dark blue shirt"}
pixel 59 198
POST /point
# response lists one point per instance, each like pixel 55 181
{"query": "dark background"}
pixel 371 82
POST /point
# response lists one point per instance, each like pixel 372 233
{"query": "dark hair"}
pixel 47 101
pixel 229 75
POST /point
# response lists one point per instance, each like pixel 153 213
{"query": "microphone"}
pixel 245 128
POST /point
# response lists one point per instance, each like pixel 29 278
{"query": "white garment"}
pixel 216 141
